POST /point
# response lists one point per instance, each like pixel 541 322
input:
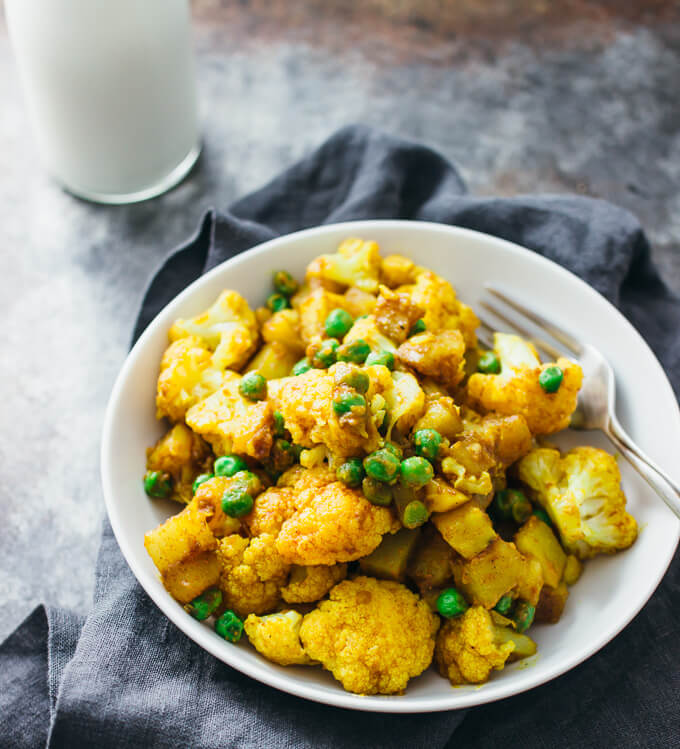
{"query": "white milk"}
pixel 110 85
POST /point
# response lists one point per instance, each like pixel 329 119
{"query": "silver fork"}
pixel 596 407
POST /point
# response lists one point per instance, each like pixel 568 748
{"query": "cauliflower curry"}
pixel 362 485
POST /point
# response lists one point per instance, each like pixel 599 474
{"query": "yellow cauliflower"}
pixel 208 502
pixel 228 328
pixel 187 375
pixel 440 356
pixel 470 646
pixel 182 455
pixel 405 403
pixel 516 389
pixel 372 635
pixel 232 423
pixel 332 524
pixel 307 584
pixel 581 491
pixel 270 510
pixel 443 310
pixel 252 573
pixel 507 438
pixel 314 310
pixel 356 263
pixel 277 637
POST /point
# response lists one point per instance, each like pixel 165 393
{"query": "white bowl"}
pixel 612 589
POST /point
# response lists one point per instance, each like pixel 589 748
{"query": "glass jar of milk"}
pixel 110 86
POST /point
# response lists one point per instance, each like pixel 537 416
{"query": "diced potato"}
pixel 284 327
pixel 536 539
pixel 530 585
pixel 358 302
pixel 524 646
pixel 397 270
pixel 442 415
pixel 551 603
pixel 188 579
pixel 572 569
pixel 440 496
pixel 273 361
pixel 467 529
pixel 430 567
pixel 491 574
pixel 390 559
pixel 179 538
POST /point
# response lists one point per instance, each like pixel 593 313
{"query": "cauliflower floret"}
pixel 440 356
pixel 516 389
pixel 306 403
pixel 332 524
pixel 277 637
pixel 232 423
pixel 372 635
pixel 314 310
pixel 395 314
pixel 182 455
pixel 228 328
pixel 469 647
pixel 307 584
pixel 443 310
pixel 208 502
pixel 252 574
pixel 270 510
pixel 356 263
pixel 187 375
pixel 405 403
pixel 581 492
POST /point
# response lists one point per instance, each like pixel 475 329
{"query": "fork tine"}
pixel 558 334
pixel 549 349
pixel 485 334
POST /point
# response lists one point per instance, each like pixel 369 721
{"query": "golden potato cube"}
pixel 536 539
pixel 441 496
pixel 491 574
pixel 179 538
pixel 530 585
pixel 551 603
pixel 431 564
pixel 467 529
pixel 572 569
pixel 273 361
pixel 389 560
pixel 188 579
pixel 442 415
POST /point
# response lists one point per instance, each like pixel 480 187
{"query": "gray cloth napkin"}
pixel 126 677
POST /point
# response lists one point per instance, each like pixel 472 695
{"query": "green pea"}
pixel 236 502
pixel 253 386
pixel 394 449
pixel 376 492
pixel 414 514
pixel 504 604
pixel 427 442
pixel 201 480
pixel 355 351
pixel 511 504
pixel 550 379
pixel 301 367
pixel 523 615
pixel 416 471
pixel 204 605
pixel 419 327
pixel 326 354
pixel 521 508
pixel 228 465
pixel 157 484
pixel 351 472
pixel 338 323
pixel 382 465
pixel 355 379
pixel 346 402
pixel 279 426
pixel 489 363
pixel 451 603
pixel 229 626
pixel 284 283
pixel 541 514
pixel 277 302
pixel 380 357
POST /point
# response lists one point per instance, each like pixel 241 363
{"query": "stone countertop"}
pixel 521 98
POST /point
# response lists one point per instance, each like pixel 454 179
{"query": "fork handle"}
pixel 661 482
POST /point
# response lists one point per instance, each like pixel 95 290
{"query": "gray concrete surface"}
pixel 586 105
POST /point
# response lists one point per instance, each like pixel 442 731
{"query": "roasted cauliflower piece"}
pixel 356 263
pixel 183 455
pixel 516 389
pixel 270 510
pixel 372 635
pixel 187 375
pixel 440 356
pixel 208 501
pixel 308 584
pixel 228 328
pixel 395 314
pixel 405 403
pixel 313 313
pixel 581 492
pixel 252 574
pixel 277 637
pixel 470 646
pixel 232 423
pixel 332 524
pixel 443 310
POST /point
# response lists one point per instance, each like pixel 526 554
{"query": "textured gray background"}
pixel 521 98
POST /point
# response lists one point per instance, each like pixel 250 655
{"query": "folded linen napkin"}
pixel 126 677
